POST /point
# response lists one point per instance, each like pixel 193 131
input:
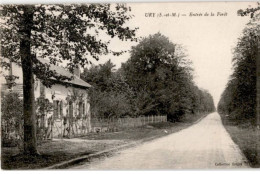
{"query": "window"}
pixel 70 109
pixel 55 106
pixel 61 108
pixel 58 109
pixel 83 110
pixel 80 109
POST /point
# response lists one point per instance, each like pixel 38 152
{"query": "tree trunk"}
pixel 258 97
pixel 258 85
pixel 30 141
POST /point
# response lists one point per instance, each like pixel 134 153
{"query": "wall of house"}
pixel 17 71
pixel 18 87
pixel 68 123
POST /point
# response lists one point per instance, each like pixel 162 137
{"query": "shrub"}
pixel 12 119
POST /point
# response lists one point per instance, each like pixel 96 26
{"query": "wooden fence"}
pixel 113 124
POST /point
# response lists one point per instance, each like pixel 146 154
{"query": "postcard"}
pixel 130 86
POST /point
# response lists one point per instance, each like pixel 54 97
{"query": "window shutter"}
pixel 61 108
pixel 58 109
pixel 80 109
pixel 55 109
pixel 70 109
pixel 83 109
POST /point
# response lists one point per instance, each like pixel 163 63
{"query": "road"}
pixel 205 145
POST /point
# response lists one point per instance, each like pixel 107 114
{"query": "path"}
pixel 203 145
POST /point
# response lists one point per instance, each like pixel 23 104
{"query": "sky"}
pixel 208 40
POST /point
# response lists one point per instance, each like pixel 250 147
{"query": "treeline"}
pixel 239 97
pixel 156 79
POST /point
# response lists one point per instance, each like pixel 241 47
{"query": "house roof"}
pixel 62 71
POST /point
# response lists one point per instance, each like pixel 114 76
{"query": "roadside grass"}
pixel 147 131
pixel 246 136
pixel 52 152
pixel 56 151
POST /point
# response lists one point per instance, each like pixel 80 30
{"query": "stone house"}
pixel 68 114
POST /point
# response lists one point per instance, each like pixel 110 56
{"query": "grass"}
pixel 148 131
pixel 53 152
pixel 246 136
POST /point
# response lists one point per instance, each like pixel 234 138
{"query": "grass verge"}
pixel 246 136
pixel 53 152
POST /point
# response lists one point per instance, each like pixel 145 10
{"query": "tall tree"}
pixel 57 32
pixel 240 96
pixel 110 96
pixel 254 14
pixel 161 78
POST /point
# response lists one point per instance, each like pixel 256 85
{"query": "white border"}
pixel 240 171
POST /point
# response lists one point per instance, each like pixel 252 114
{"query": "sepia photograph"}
pixel 130 86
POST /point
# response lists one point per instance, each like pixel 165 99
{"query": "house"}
pixel 68 111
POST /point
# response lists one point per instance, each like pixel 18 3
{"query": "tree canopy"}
pixel 62 32
pixel 66 33
pixel 156 79
pixel 239 96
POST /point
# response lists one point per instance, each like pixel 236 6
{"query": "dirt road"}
pixel 203 145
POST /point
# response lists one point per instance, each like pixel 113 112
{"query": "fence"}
pixel 113 124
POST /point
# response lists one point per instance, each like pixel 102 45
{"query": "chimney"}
pixel 76 71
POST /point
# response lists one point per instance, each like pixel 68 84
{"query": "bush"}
pixel 12 119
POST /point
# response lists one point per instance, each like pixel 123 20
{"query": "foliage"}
pixel 63 32
pixel 162 79
pixel 239 96
pixel 43 107
pixel 156 79
pixel 110 95
pixel 11 117
pixel 67 33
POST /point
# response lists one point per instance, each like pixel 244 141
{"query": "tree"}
pixel 56 32
pixel 239 96
pixel 156 79
pixel 161 78
pixel 110 96
pixel 11 116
